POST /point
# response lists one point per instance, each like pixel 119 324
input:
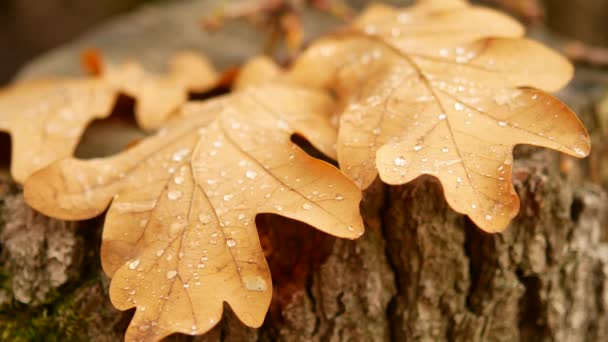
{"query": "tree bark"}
pixel 420 272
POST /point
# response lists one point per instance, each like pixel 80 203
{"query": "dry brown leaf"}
pixel 433 27
pixel 258 70
pixel 47 118
pixel 453 112
pixel 91 61
pixel 180 236
pixel 159 96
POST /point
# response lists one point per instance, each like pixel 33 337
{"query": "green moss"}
pixel 53 321
pixel 57 319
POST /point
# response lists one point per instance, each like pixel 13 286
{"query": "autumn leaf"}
pixel 453 112
pixel 435 26
pixel 47 117
pixel 180 236
pixel 158 96
pixel 258 70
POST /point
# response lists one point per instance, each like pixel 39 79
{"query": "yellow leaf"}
pixel 454 112
pixel 159 96
pixel 180 236
pixel 47 118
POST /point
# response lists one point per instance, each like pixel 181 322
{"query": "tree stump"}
pixel 420 272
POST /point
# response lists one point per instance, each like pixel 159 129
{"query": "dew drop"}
pixel 173 195
pixel 176 227
pixel 339 197
pixel 178 180
pixel 125 207
pixel 417 147
pixel 179 155
pixel 251 174
pixel 228 197
pixel 399 161
pixel 458 106
pixel 579 151
pixel 444 149
pixel 307 206
pixel 502 123
pixel 282 124
pixel 255 283
pixel 171 274
pixel 231 243
pixel 488 217
pixel 442 116
pixel 133 264
pixel 204 218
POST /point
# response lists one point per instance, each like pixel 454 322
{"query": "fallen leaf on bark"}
pixel 180 236
pixel 418 105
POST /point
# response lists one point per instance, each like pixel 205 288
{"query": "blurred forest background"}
pixel 31 27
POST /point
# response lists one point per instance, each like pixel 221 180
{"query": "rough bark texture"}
pixel 43 252
pixel 421 271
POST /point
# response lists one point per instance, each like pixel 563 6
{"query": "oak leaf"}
pixel 434 26
pixel 415 105
pixel 158 96
pixel 47 117
pixel 258 70
pixel 180 236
